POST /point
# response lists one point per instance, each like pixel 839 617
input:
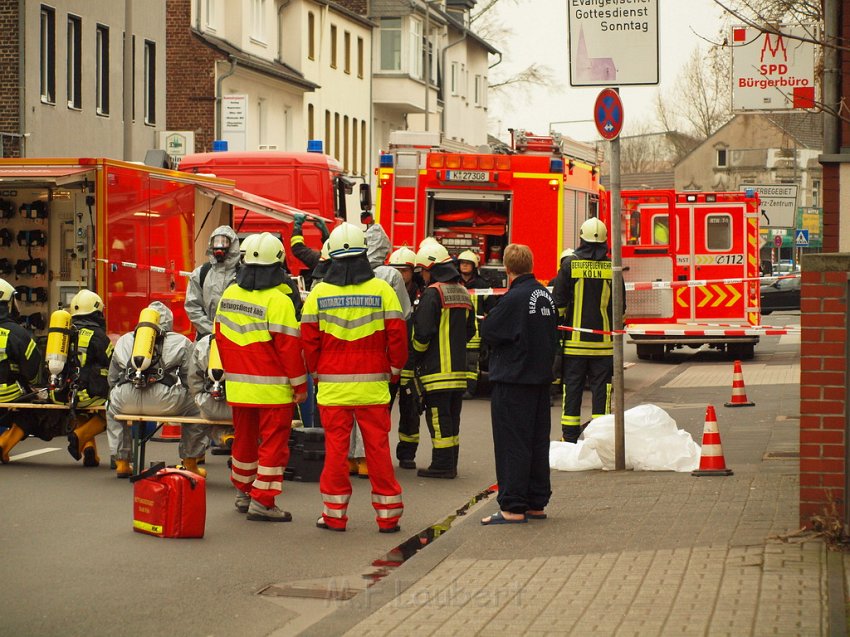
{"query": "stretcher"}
pixel 141 437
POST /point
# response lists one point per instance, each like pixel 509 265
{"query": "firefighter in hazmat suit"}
pixel 208 281
pixel 93 351
pixel 207 383
pixel 20 362
pixel 158 388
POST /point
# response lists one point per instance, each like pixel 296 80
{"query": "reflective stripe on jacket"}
pixel 259 343
pixel 20 361
pixel 588 290
pixel 355 340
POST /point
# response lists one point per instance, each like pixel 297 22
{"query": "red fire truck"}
pixel 537 193
pixel 691 263
pixel 129 232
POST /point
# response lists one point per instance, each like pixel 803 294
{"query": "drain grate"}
pixel 781 455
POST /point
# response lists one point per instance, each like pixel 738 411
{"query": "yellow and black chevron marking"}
pixel 719 296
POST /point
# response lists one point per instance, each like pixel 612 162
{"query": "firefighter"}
pixel 20 363
pixel 442 325
pixel 467 263
pixel 582 293
pixel 93 355
pixel 404 260
pixel 257 333
pixel 156 387
pixel 355 344
pixel 208 281
pixel 207 386
pixel 304 253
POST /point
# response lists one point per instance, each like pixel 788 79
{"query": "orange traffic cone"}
pixel 168 433
pixel 739 394
pixel 711 461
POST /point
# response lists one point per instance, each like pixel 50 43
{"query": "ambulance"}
pixel 538 192
pixel 130 232
pixel 691 268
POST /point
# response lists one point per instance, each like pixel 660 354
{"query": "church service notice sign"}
pixel 613 42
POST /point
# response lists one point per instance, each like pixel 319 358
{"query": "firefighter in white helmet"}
pixel 256 330
pixel 443 323
pixel 89 368
pixel 355 344
pixel 20 362
pixel 471 279
pixel 582 294
pixel 404 260
pixel 158 387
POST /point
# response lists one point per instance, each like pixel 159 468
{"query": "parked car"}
pixel 779 295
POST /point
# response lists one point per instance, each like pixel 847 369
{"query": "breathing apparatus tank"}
pixel 144 344
pixel 58 346
pixel 215 372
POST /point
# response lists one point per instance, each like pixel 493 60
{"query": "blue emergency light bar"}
pixel 386 161
pixel 315 146
pixel 556 165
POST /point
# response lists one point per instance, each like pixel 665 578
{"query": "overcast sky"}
pixel 539 33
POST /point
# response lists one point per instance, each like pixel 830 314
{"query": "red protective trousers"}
pixel 257 468
pixel 335 485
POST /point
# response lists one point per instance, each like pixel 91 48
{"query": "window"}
pixel 478 88
pixel 311 35
pixel 661 230
pixel 311 126
pixel 718 232
pixel 333 46
pixel 212 10
pixel 415 49
pixel 48 55
pixel 150 82
pixel 454 78
pixel 390 44
pixel 328 132
pixel 336 136
pixel 74 62
pixel 345 143
pixel 815 193
pixel 346 40
pixel 360 57
pixel 102 70
pixel 363 148
pixel 354 146
pixel 721 158
pixel 258 13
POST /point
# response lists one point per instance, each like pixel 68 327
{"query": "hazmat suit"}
pixel 210 399
pixel 167 396
pixel 208 281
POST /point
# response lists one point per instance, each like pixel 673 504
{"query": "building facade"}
pixel 62 78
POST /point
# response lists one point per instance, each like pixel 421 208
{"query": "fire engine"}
pixel 537 193
pixel 129 232
pixel 693 261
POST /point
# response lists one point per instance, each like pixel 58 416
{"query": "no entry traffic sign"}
pixel 608 113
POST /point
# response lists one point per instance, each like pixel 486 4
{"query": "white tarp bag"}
pixel 653 443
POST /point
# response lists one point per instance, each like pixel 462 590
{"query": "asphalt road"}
pixel 72 565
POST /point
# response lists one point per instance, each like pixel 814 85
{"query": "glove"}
pixel 300 217
pixel 320 224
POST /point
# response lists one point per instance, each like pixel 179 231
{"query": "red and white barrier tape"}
pixel 753 330
pixel 141 266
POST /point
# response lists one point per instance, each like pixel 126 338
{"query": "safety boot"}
pixel 90 457
pixel 80 437
pixel 362 469
pixel 191 464
pixel 442 465
pixel 8 440
pixel 224 446
pixel 243 501
pixel 259 513
pixel 122 468
pixel 352 466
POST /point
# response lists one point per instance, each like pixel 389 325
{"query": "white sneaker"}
pixel 258 513
pixel 243 501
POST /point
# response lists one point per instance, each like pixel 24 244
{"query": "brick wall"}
pixel 823 384
pixel 190 83
pixel 10 81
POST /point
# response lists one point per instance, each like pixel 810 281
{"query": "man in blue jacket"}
pixel 522 332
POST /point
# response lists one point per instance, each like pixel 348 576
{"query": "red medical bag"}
pixel 169 502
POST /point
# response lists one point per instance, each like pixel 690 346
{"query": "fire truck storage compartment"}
pixel 46 243
pixel 476 221
pixel 649 303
